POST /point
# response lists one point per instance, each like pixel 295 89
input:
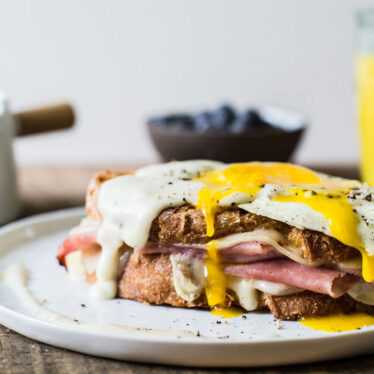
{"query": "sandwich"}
pixel 204 234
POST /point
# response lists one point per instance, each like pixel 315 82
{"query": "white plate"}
pixel 255 340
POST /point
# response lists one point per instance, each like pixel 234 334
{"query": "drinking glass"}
pixel 364 66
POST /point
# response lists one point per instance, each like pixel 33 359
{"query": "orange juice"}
pixel 365 95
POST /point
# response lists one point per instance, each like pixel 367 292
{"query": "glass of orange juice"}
pixel 365 91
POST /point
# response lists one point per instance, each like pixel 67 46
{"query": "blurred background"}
pixel 120 61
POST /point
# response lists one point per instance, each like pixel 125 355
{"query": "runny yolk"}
pixel 247 178
pixel 339 322
pixel 215 288
pixel 230 312
pixel 326 196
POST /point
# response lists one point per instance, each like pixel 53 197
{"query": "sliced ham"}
pixel 243 252
pixel 252 248
pixel 331 282
pixel 193 251
pixel 249 252
pixel 247 258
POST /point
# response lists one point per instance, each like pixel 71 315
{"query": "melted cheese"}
pixel 269 236
pixel 288 193
pixel 246 290
pixel 338 323
pixel 82 264
pixel 75 265
pixel 363 292
pixel 188 276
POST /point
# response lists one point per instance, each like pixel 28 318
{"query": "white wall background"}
pixel 119 61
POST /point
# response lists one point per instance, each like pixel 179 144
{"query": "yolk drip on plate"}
pixel 326 196
pixel 338 323
pixel 230 312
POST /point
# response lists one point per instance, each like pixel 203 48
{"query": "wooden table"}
pixel 45 189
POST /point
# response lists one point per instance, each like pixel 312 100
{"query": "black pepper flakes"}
pixel 368 197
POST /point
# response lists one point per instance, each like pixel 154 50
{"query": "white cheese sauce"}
pixel 15 277
pixel 129 204
pixel 107 270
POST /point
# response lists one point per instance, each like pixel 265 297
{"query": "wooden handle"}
pixel 49 118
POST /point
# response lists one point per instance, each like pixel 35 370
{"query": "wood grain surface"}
pixel 45 189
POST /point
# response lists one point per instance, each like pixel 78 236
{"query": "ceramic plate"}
pixel 253 339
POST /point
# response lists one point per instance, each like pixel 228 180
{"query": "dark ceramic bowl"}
pixel 277 143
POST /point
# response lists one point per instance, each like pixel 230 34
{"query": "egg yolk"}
pixel 338 323
pixel 227 312
pixel 215 288
pixel 326 196
pixel 245 178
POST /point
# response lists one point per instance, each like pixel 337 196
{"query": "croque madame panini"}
pixel 206 234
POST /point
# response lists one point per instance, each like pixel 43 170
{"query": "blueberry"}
pixel 173 120
pixel 203 122
pixel 222 117
pixel 247 121
pixel 255 119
